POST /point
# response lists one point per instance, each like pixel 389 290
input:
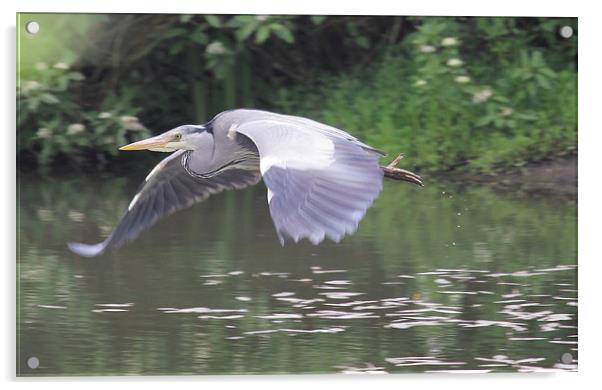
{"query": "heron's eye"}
pixel 177 137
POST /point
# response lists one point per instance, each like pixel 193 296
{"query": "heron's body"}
pixel 320 180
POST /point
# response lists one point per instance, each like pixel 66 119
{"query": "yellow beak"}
pixel 149 143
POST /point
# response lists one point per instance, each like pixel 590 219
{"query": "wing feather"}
pixel 167 189
pixel 320 180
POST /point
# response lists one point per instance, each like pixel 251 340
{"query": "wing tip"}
pixel 86 250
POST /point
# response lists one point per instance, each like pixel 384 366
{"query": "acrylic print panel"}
pixel 473 272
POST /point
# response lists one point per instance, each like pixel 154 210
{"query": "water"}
pixel 440 278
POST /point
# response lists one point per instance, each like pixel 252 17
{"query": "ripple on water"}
pixel 516 326
pixel 201 310
pixel 503 359
pixel 368 368
pixel 338 282
pixel 335 329
pixel 558 367
pixel 341 315
pixel 227 317
pixel 112 307
pixel 411 324
pixel 524 365
pixel 347 304
pixel 340 295
pixel 300 302
pixel 281 316
pixel 283 294
pixel 327 287
pixel 52 307
pixel 410 361
pixel 517 307
pixel 277 274
pixel 458 371
pixel 318 270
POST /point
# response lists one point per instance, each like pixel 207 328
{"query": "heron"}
pixel 320 180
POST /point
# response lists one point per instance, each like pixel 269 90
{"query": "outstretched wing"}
pixel 167 189
pixel 320 180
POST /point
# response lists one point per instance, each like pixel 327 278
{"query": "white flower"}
pixel 426 49
pixel 75 128
pixel 215 48
pixel 44 133
pixel 126 120
pixel 449 41
pixel 261 18
pixel 105 115
pixel 455 62
pixel 61 65
pixel 420 83
pixel 41 66
pixel 482 96
pixel 131 123
pixel 31 85
pixel 506 111
pixel 462 79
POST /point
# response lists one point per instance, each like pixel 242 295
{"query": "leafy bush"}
pixel 53 124
pixel 475 93
pixel 447 105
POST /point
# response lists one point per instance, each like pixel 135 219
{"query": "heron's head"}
pixel 183 137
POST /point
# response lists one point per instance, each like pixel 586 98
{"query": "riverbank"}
pixel 557 176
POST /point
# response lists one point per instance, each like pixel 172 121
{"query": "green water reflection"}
pixel 436 278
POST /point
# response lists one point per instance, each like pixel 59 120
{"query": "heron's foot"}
pixel 392 172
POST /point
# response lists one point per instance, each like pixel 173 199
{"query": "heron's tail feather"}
pixel 87 250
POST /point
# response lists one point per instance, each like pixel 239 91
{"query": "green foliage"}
pixel 477 93
pixel 447 105
pixel 222 38
pixel 52 124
